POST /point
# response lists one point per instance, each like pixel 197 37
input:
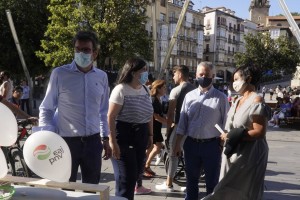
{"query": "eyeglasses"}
pixel 84 50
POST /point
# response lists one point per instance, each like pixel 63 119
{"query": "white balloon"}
pixel 3 165
pixel 48 155
pixel 8 126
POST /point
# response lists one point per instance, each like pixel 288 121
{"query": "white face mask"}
pixel 239 85
pixel 83 60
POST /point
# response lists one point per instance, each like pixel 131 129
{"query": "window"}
pixel 163 3
pixel 162 17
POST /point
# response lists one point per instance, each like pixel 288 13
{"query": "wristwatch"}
pixel 104 139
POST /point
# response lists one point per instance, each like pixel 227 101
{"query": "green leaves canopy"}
pixel 120 26
pixel 30 19
pixel 279 54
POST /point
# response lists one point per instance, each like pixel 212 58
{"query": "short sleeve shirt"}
pixel 136 103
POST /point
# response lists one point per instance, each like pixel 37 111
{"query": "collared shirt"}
pixel 201 111
pixel 26 91
pixel 76 103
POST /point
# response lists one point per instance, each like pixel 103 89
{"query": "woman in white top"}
pixel 6 88
pixel 131 127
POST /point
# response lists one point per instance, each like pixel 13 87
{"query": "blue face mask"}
pixel 144 78
pixel 83 60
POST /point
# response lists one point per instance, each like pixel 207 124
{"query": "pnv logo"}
pixel 42 152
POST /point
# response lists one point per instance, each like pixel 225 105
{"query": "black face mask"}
pixel 204 82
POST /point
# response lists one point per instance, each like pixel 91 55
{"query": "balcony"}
pixel 189 38
pixel 230 29
pixel 219 37
pixel 223 25
pixel 181 37
pixel 207 37
pixel 181 53
pixel 199 27
pixel 229 40
pixel 173 20
pixel 230 53
pixel 206 50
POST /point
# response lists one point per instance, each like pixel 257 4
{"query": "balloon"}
pixel 48 155
pixel 8 126
pixel 3 165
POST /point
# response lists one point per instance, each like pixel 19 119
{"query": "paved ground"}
pixel 282 179
pixel 282 176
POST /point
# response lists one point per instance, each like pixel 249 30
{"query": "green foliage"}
pixel 118 24
pixel 292 13
pixel 279 55
pixel 30 20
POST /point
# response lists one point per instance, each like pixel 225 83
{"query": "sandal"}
pixel 147 175
pixel 149 171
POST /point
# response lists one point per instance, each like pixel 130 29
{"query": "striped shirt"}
pixel 136 103
pixel 201 111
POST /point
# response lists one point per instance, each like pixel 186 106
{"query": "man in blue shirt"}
pixel 75 107
pixel 202 108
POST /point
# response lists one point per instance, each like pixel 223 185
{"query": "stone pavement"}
pixel 282 181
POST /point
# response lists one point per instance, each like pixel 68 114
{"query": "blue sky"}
pixel 241 6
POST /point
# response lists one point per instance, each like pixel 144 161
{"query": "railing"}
pixel 173 20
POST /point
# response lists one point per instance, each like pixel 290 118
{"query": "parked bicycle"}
pixel 14 153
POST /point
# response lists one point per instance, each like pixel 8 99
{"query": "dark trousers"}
pixel 86 153
pixel 197 155
pixel 25 102
pixel 132 140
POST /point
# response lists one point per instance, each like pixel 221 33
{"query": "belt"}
pixel 85 138
pixel 203 140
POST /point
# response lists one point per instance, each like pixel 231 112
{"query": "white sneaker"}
pixel 158 158
pixel 164 187
pixel 276 126
pixel 183 189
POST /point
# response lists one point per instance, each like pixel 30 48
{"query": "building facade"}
pixel 259 10
pixel 223 37
pixel 188 48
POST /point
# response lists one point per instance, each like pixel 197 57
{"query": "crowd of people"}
pixel 126 125
pixel 18 95
pixel 287 103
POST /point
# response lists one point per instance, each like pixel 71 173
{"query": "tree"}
pixel 120 26
pixel 292 13
pixel 30 20
pixel 269 54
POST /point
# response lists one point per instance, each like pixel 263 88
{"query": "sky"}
pixel 241 6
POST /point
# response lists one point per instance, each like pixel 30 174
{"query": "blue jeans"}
pixel 86 153
pixel 197 155
pixel 132 140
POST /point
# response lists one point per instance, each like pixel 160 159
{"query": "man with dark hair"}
pixel 181 78
pixel 75 107
pixel 16 110
pixel 16 96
